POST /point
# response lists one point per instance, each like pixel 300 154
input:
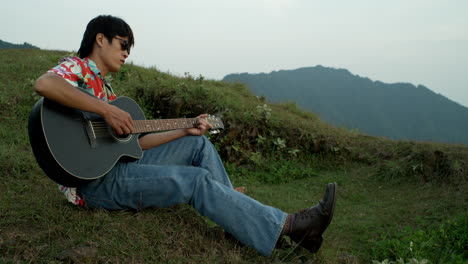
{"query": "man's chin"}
pixel 116 69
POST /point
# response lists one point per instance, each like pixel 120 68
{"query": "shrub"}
pixel 438 244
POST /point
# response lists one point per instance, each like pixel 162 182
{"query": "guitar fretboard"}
pixel 144 126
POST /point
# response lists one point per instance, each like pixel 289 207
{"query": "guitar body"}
pixel 73 147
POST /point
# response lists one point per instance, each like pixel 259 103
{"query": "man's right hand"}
pixel 118 119
pixel 54 87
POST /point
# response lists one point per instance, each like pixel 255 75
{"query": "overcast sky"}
pixel 416 41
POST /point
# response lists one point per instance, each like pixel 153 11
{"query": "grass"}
pixel 367 209
pixel 385 187
pixel 48 229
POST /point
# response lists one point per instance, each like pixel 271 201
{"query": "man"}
pixel 179 166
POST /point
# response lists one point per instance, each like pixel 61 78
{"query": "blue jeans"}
pixel 187 171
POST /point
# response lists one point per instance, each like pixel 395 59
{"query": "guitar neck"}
pixel 145 126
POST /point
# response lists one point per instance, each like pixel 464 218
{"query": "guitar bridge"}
pixel 90 131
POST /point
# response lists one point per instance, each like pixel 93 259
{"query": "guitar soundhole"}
pixel 120 138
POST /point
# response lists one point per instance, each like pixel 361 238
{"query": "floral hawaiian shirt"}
pixel 83 73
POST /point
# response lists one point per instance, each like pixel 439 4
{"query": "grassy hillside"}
pixel 396 199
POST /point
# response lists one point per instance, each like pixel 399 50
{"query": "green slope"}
pixel 282 154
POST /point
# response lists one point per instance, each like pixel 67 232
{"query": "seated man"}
pixel 179 166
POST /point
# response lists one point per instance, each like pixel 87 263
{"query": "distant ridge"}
pixel 397 110
pixel 8 45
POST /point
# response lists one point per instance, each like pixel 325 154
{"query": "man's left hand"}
pixel 200 127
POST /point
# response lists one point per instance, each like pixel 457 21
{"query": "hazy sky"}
pixel 417 41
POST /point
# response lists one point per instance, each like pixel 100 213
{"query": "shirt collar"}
pixel 92 65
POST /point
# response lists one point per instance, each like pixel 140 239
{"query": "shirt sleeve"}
pixel 69 70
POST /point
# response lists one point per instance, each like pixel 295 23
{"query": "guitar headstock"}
pixel 216 124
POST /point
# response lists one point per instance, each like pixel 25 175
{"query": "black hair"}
pixel 108 25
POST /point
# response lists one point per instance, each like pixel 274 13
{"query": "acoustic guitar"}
pixel 74 147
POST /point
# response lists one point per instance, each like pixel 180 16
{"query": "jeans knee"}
pixel 202 139
pixel 205 175
pixel 206 142
pixel 199 142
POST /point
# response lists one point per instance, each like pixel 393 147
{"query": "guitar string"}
pixel 102 128
pixel 105 127
pixel 148 124
pixel 106 131
pixel 157 121
pixel 103 131
pixel 104 124
pixel 100 124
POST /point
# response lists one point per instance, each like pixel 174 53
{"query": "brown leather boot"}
pixel 309 224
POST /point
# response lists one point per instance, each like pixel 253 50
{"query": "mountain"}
pixel 8 45
pixel 397 110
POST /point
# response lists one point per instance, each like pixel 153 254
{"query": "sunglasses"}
pixel 124 44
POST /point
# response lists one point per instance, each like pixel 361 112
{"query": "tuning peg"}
pixel 213 132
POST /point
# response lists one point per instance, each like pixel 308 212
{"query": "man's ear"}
pixel 100 39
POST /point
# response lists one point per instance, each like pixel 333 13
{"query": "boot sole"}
pixel 313 245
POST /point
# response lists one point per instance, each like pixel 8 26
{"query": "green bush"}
pixel 438 244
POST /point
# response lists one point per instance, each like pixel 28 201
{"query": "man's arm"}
pixel 54 87
pixel 154 140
